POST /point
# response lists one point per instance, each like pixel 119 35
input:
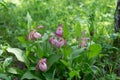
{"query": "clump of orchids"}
pixel 57 40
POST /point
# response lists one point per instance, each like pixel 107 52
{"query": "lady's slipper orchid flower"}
pixel 42 65
pixel 34 35
pixel 60 42
pixel 37 35
pixel 57 43
pixel 53 41
pixel 59 31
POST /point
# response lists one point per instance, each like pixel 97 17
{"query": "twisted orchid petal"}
pixel 37 35
pixel 85 39
pixel 84 42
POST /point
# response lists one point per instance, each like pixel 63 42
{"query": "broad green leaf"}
pixel 74 73
pixel 7 62
pixel 28 75
pixel 48 76
pixel 94 50
pixel 14 70
pixel 21 39
pixel 45 37
pixel 76 53
pixel 77 30
pixel 4 76
pixel 53 58
pixel 18 53
pixel 1 51
pixel 66 32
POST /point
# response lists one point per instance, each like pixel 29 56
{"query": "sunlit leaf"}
pixel 28 17
pixel 1 51
pixel 14 70
pixel 74 73
pixel 94 50
pixel 44 37
pixel 7 62
pixel 18 53
pixel 4 5
pixel 29 21
pixel 4 76
pixel 21 39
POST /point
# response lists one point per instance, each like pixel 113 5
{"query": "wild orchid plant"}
pixel 57 40
pixel 70 58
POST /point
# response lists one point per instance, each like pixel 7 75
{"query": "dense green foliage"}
pixel 99 60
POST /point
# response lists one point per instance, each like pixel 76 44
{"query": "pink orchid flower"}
pixel 59 31
pixel 60 42
pixel 42 65
pixel 34 35
pixel 53 41
pixel 37 35
pixel 57 43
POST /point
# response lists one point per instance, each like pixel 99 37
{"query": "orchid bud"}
pixel 38 27
pixel 85 39
pixel 59 31
pixel 83 44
